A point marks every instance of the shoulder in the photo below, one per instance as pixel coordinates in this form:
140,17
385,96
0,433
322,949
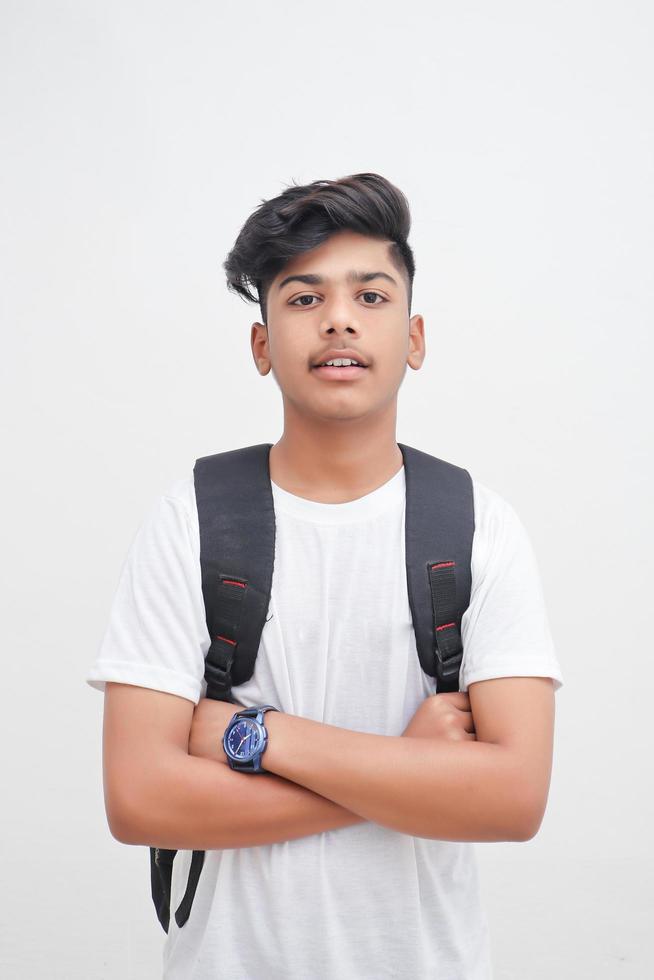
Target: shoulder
499,528
180,496
492,509
171,517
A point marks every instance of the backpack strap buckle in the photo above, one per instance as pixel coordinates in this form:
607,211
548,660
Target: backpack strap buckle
218,668
229,604
448,654
448,647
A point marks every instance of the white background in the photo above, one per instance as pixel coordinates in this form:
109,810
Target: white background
136,139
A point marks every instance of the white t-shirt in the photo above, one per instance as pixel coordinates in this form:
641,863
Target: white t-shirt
338,646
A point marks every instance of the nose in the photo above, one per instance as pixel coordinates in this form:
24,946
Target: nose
339,317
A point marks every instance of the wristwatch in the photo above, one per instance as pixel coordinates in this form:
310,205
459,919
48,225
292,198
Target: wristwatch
246,737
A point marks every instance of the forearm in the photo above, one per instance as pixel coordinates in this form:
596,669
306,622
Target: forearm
194,803
463,791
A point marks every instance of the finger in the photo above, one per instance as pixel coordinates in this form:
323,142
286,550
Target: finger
468,721
458,698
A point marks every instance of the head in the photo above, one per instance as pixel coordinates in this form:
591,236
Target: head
332,268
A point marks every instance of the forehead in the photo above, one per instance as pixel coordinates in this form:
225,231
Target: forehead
341,252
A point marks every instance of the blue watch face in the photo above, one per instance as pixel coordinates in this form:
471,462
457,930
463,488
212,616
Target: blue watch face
244,739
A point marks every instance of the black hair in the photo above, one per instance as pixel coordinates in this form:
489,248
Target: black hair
304,216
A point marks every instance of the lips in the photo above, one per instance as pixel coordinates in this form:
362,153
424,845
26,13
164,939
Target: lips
335,353
336,374
362,367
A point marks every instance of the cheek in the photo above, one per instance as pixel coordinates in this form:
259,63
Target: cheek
289,357
393,364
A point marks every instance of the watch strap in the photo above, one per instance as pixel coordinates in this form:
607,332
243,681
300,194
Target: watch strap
255,711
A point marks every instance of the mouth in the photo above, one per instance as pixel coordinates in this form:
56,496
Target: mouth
332,373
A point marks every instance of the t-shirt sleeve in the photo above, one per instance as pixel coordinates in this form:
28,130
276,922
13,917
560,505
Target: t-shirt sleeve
505,630
157,636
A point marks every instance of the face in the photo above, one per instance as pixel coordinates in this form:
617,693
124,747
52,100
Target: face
320,303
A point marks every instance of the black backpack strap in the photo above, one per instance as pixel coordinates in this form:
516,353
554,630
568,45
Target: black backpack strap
237,550
439,528
184,907
161,870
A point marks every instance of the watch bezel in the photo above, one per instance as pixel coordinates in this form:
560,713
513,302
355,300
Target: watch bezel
262,736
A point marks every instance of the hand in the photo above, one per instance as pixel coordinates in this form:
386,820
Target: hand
447,716
210,719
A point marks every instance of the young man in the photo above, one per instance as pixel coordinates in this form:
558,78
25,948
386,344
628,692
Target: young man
352,858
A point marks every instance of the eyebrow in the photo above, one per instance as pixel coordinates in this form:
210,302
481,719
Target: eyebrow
313,279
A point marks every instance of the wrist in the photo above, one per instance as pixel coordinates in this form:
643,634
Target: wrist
278,724
246,736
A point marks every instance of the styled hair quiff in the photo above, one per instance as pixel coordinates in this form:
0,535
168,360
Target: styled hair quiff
302,217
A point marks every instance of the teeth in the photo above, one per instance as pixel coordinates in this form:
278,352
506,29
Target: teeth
341,362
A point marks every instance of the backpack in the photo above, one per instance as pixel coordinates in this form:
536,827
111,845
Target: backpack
237,547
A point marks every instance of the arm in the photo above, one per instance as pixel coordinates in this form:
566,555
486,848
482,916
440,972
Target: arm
491,789
158,795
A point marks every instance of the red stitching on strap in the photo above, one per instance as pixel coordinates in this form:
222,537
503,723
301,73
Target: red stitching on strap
444,564
229,581
227,640
446,626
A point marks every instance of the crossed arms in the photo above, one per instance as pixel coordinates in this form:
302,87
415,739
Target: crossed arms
167,784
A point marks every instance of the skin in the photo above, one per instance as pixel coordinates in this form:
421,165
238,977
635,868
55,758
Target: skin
446,716
469,766
339,438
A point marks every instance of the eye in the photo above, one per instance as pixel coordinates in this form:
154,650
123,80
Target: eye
371,293
368,292
294,302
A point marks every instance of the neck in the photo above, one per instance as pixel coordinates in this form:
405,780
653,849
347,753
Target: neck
335,460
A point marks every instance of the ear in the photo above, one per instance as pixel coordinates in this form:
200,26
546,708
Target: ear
416,353
260,348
